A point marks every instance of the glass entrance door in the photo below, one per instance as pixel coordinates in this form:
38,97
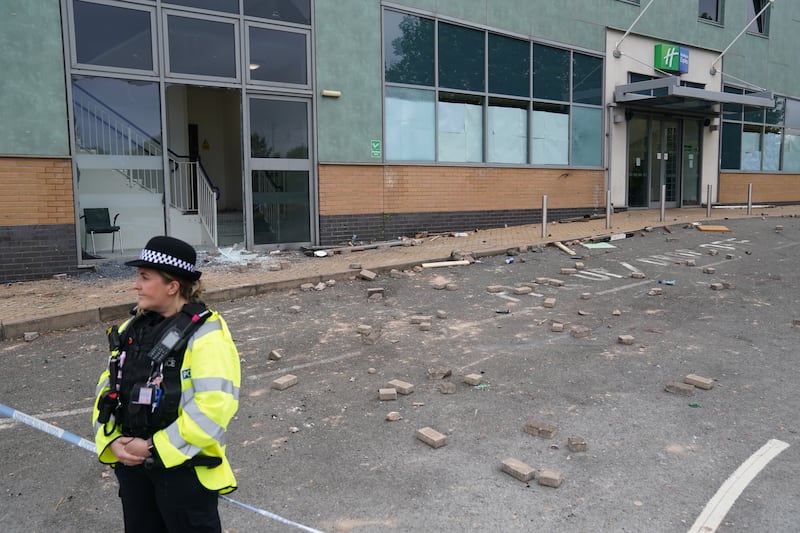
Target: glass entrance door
654,160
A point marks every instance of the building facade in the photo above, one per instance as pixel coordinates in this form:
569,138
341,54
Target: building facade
282,123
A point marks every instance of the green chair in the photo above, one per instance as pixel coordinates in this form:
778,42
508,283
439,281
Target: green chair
98,220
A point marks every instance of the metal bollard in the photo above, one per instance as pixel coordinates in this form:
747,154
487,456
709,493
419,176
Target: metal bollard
708,202
749,198
609,209
663,202
544,216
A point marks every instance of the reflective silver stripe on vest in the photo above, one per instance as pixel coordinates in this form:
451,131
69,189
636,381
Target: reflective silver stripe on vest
214,385
100,386
214,430
174,436
207,327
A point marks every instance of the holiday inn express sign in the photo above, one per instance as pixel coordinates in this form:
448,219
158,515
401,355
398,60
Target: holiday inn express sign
671,58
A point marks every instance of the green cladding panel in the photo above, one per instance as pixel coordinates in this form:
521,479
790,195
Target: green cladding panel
32,91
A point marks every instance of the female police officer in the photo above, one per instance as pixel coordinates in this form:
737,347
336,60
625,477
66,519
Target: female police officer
164,403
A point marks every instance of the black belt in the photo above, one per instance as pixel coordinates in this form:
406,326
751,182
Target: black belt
197,460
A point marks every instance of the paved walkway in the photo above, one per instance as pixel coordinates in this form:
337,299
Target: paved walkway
53,304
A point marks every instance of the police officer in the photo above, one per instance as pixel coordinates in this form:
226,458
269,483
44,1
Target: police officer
164,404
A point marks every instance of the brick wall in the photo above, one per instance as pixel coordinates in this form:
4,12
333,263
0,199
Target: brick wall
383,202
37,220
767,188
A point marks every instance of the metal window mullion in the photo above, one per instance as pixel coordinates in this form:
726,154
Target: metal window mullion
436,91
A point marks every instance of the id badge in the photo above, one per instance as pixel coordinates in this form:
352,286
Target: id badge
144,395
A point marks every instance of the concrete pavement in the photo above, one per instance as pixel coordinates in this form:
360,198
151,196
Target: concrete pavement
55,304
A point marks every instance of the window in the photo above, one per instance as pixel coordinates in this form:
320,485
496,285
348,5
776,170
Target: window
296,11
761,24
201,47
110,36
710,10
408,49
224,6
278,129
277,56
759,139
478,96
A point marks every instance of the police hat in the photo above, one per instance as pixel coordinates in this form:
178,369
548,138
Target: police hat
169,255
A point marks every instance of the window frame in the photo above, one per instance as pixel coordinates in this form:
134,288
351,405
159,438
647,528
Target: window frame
765,16
171,76
247,60
720,18
149,8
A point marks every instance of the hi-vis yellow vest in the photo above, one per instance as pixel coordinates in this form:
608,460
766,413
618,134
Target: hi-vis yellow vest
210,380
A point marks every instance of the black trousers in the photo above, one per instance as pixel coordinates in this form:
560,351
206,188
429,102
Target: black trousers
169,501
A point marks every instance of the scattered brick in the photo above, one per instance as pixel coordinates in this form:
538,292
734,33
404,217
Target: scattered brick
387,394
637,275
375,290
655,291
779,227
549,478
616,312
579,265
557,327
586,296
393,416
708,270
431,437
367,275
556,282
284,382
29,336
396,274
419,319
549,302
275,355
439,372
691,262
424,326
540,429
625,339
580,331
522,290
728,256
682,389
307,287
518,469
699,381
294,309
439,285
448,387
713,252
495,288
402,387
441,314
542,281
473,379
569,271
577,444
716,286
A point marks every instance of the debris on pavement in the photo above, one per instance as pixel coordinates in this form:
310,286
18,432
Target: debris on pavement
518,469
431,437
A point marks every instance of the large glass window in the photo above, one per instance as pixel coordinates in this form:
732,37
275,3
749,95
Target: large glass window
201,47
731,145
278,56
460,128
508,131
710,10
297,11
278,129
112,36
509,66
411,114
550,73
461,58
408,49
587,145
281,206
550,134
496,98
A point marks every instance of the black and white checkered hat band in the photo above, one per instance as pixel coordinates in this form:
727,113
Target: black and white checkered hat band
160,258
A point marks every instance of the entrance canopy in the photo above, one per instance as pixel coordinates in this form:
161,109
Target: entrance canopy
668,95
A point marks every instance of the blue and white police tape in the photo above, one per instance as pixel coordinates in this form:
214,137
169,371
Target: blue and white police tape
72,438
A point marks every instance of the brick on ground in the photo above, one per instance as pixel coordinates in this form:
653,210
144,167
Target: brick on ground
580,332
699,381
419,319
577,444
275,355
387,394
557,327
625,339
284,382
550,478
367,275
473,379
549,303
681,389
403,387
540,429
431,437
518,469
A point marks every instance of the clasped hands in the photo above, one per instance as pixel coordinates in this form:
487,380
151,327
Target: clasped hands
131,451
